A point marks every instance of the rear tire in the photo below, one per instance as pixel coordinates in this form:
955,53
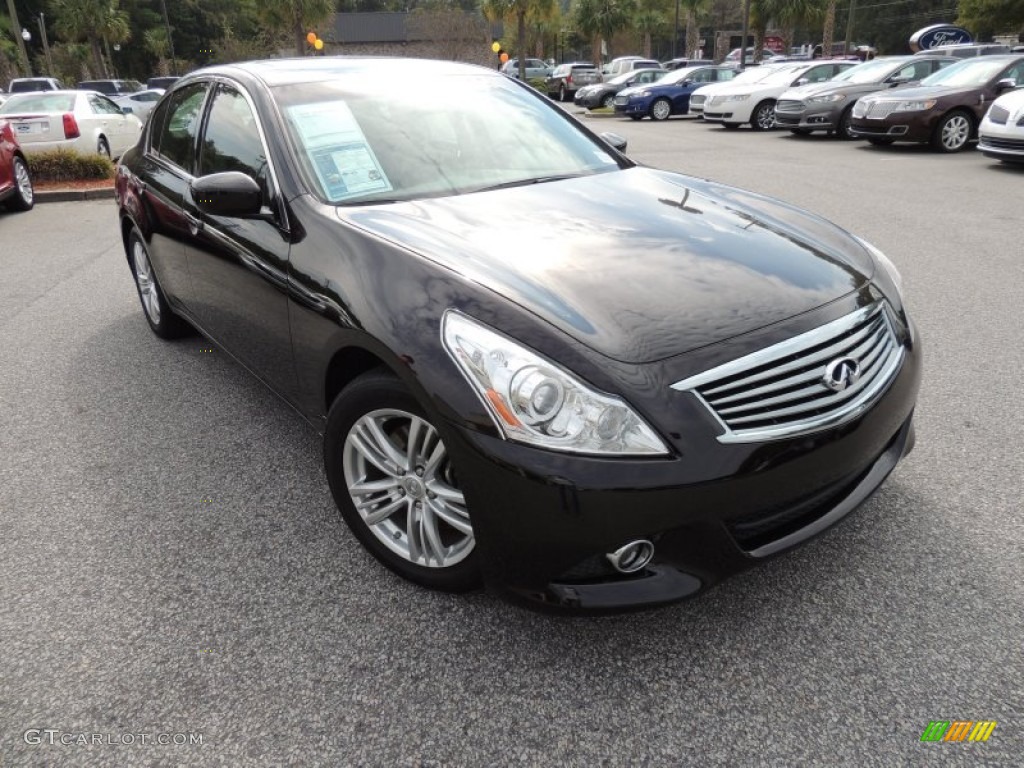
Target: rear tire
161,318
382,453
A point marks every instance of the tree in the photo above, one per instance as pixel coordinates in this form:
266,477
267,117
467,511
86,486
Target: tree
518,11
94,21
600,19
694,10
829,30
650,19
301,16
456,34
987,17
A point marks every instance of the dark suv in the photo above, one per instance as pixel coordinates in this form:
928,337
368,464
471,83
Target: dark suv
827,106
110,87
568,78
32,84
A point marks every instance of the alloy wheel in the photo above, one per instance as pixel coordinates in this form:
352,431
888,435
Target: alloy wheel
401,483
24,182
147,284
764,116
608,101
956,130
661,109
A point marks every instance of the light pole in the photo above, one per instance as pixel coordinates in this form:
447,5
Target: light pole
26,36
46,44
170,38
15,26
675,37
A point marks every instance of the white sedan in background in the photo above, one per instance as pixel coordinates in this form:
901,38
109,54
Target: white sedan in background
84,121
749,75
140,102
754,103
1001,133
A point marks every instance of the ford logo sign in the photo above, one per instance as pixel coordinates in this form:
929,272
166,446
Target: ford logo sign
937,35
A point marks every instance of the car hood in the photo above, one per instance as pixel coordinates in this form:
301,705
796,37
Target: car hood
638,264
827,89
1011,101
933,92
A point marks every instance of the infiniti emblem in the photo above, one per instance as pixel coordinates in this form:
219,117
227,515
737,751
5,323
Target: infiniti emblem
841,373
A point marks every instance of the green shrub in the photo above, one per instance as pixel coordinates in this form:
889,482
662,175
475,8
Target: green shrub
539,83
68,165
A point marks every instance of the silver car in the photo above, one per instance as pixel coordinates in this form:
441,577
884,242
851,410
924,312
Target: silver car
534,68
141,103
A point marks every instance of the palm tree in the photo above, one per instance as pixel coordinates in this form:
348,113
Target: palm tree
518,11
694,10
301,16
829,30
96,22
601,19
648,22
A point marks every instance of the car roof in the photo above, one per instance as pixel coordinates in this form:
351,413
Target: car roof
275,72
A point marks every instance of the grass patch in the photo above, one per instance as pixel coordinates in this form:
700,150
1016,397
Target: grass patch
68,165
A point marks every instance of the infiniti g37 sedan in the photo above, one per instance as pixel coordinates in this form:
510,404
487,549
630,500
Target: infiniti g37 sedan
653,383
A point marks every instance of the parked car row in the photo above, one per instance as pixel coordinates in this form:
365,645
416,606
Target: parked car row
109,87
944,100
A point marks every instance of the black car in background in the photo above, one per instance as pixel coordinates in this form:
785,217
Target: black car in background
603,94
658,382
827,106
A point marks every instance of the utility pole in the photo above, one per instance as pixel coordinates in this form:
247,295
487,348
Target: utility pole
170,37
16,31
849,28
46,44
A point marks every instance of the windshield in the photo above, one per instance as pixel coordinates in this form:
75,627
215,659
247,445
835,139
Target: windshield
782,76
754,75
869,71
38,102
620,79
676,76
373,142
968,72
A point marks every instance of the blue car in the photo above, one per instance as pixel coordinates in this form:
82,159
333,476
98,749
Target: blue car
671,94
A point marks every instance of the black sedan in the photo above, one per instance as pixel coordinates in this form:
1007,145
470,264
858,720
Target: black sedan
603,94
658,382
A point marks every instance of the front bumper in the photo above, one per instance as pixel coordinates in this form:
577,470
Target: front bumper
898,127
1001,142
544,521
633,107
809,119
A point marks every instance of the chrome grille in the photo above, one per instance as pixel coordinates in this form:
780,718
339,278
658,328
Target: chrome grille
999,115
879,109
697,100
620,100
780,391
789,105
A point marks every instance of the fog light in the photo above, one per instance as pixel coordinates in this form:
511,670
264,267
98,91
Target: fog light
633,557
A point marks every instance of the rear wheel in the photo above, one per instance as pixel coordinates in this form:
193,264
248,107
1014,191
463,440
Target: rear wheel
394,484
763,118
24,196
879,142
661,109
952,132
161,319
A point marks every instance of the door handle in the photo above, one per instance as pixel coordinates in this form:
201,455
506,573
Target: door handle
194,224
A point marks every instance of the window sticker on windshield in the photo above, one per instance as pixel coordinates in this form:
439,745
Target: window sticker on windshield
342,157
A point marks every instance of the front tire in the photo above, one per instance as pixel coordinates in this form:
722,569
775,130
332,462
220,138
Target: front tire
608,101
394,484
952,132
763,118
661,109
162,320
24,196
843,126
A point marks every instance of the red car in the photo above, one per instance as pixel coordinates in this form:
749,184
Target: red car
15,180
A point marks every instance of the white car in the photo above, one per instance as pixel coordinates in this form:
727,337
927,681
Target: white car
84,121
754,103
140,102
1001,133
750,75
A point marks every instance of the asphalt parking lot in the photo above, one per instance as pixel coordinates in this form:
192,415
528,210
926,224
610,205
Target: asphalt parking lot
171,561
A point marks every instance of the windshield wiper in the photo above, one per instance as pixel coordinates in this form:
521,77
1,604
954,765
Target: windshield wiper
526,182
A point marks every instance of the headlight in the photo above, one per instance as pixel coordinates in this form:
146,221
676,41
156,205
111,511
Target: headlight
736,97
534,401
643,94
885,263
826,99
914,106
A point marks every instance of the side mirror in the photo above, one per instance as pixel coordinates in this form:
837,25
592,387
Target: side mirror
616,141
228,194
126,110
803,81
1006,84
